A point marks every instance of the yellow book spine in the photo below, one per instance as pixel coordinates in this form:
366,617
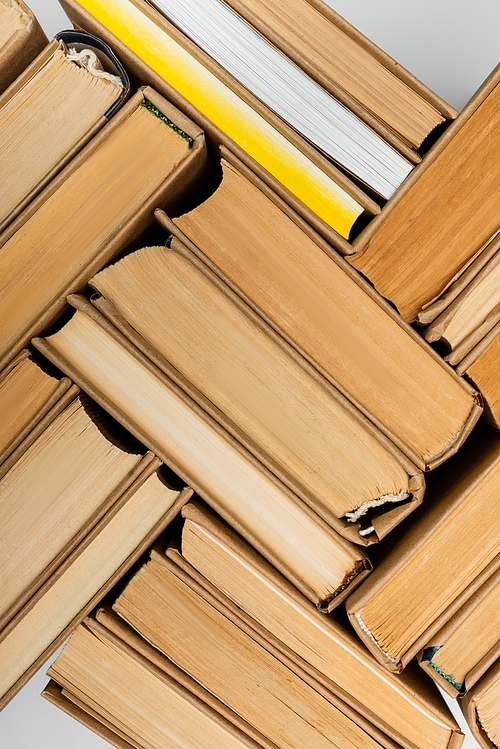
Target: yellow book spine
228,112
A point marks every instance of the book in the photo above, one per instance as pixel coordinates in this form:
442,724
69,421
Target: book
30,398
21,40
480,708
449,552
139,513
182,713
448,213
467,326
404,707
458,655
471,314
329,314
104,197
225,109
258,388
198,633
319,561
478,266
55,492
288,91
352,68
51,111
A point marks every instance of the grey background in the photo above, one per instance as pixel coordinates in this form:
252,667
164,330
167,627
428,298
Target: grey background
452,46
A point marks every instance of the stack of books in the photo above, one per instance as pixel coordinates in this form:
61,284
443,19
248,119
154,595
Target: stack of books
182,312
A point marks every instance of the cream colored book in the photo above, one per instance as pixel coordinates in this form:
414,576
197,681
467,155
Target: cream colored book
305,548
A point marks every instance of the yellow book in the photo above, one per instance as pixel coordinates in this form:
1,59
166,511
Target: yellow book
227,111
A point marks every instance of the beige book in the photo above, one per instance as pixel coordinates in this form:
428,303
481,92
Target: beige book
444,218
28,395
318,40
55,492
448,554
49,113
322,563
468,327
458,655
403,706
161,605
78,217
109,549
277,405
128,693
312,297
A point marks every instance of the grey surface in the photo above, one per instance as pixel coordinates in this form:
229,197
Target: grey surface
450,46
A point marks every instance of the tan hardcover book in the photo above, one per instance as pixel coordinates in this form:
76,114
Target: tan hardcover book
480,708
90,209
21,40
458,655
56,491
441,220
298,190
404,707
30,398
449,552
202,336
155,704
138,514
51,111
320,562
198,633
314,299
467,327
351,68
